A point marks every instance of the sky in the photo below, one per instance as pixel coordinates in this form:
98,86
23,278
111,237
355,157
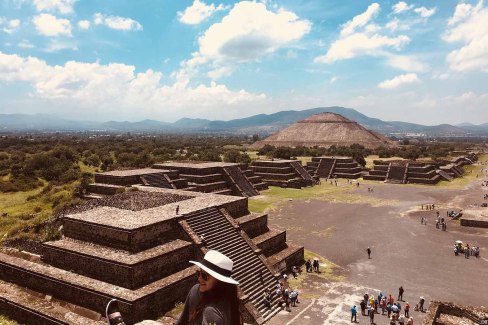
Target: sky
414,61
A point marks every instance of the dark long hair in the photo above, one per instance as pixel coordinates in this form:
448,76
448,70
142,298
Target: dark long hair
221,292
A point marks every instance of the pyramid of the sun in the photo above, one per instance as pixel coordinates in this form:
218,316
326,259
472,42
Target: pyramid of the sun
325,130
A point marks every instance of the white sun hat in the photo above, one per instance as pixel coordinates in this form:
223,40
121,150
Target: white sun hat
217,265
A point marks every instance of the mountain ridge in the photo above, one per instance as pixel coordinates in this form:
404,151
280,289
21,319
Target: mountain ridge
260,123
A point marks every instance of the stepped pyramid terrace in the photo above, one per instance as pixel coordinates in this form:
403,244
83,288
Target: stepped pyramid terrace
420,172
282,172
325,130
207,177
135,248
330,167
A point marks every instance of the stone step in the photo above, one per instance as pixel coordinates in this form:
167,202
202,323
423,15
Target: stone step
132,270
94,294
30,307
106,189
292,255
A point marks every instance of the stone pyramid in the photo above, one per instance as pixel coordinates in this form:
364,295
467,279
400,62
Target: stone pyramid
325,130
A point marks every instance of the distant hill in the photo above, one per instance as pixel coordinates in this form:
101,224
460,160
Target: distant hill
261,124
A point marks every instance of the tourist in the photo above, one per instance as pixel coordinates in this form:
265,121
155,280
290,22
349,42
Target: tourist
466,251
400,293
177,209
308,266
390,299
267,300
295,271
407,309
215,298
371,317
202,240
353,314
294,297
421,304
369,252
286,300
388,309
401,320
383,305
363,307
410,321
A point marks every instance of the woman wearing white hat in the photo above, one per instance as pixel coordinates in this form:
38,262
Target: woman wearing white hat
214,300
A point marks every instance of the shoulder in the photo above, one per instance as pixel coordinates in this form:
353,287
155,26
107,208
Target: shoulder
215,315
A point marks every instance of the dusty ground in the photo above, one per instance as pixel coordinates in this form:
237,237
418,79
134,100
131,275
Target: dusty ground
404,252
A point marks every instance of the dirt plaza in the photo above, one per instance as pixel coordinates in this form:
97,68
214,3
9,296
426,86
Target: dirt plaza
404,252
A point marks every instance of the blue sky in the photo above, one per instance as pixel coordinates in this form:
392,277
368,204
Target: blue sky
415,61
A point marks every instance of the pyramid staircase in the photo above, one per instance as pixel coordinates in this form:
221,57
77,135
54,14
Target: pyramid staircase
253,274
325,168
445,175
396,173
301,171
240,181
157,180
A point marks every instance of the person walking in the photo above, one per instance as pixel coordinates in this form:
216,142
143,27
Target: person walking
371,317
400,293
214,299
421,304
369,252
354,314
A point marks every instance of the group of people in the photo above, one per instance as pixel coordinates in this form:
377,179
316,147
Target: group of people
428,206
370,305
440,222
467,251
312,266
287,296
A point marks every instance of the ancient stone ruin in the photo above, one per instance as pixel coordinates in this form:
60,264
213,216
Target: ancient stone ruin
135,247
325,130
334,167
283,173
446,313
207,177
419,172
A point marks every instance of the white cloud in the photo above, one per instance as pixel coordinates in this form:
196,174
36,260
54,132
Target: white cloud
96,89
25,44
198,12
10,26
406,63
424,12
63,6
360,44
115,22
399,80
333,79
361,37
250,31
49,25
360,20
469,25
401,7
57,45
219,73
84,24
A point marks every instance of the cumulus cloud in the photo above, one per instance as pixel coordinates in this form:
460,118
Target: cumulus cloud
360,36
198,12
401,7
251,31
9,26
84,24
333,79
49,25
360,20
406,63
63,6
398,81
117,88
116,22
424,12
469,26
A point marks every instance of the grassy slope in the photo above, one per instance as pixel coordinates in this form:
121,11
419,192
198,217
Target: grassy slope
22,212
5,321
